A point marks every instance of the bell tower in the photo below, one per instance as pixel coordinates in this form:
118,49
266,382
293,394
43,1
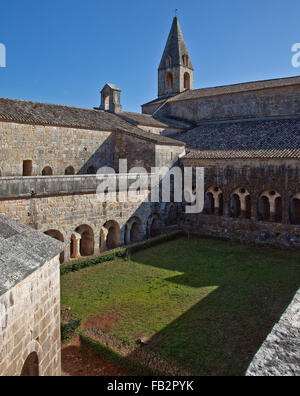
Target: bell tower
175,73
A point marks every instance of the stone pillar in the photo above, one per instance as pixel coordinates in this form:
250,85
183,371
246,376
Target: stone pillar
76,238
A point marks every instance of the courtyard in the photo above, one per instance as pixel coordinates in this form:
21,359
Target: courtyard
204,306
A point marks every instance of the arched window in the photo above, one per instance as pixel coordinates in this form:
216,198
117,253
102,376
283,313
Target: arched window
86,241
270,206
240,203
214,201
295,210
185,60
113,238
70,171
47,171
187,81
169,80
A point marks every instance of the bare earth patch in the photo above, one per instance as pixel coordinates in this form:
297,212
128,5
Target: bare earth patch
103,322
79,362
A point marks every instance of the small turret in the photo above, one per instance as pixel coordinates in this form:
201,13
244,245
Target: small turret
111,99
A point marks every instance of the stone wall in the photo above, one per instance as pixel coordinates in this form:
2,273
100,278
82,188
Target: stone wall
276,102
67,213
56,147
253,177
30,322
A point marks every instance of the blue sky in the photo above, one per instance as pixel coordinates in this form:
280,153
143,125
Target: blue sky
64,51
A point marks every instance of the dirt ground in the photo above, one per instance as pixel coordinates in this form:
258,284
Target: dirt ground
79,362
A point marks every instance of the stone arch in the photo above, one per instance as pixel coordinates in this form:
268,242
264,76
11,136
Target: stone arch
187,81
214,201
86,246
295,209
134,230
185,60
58,236
113,237
154,226
169,80
240,203
69,171
31,366
270,206
47,171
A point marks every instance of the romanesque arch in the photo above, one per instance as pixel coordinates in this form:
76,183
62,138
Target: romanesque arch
86,246
154,226
169,80
270,206
240,203
214,201
69,171
187,81
134,230
113,238
295,209
47,171
59,236
31,366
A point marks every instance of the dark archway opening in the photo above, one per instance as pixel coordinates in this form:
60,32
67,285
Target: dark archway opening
31,366
295,211
235,206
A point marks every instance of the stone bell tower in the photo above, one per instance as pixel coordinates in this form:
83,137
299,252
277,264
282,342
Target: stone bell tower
175,73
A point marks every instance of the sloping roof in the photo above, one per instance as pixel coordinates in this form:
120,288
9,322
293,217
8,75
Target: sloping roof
278,138
34,113
22,251
149,120
112,86
175,47
236,88
142,119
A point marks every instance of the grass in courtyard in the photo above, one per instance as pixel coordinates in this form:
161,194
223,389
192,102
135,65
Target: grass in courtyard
206,304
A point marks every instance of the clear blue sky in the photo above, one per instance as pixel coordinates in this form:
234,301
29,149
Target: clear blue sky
64,51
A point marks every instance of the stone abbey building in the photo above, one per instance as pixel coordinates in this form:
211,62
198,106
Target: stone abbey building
246,136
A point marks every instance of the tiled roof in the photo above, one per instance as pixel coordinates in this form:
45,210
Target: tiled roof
149,120
142,119
22,251
229,89
278,138
65,116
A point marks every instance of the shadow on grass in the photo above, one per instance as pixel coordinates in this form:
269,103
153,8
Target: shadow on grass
221,334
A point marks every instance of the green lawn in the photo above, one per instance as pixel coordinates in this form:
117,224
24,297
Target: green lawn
206,304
